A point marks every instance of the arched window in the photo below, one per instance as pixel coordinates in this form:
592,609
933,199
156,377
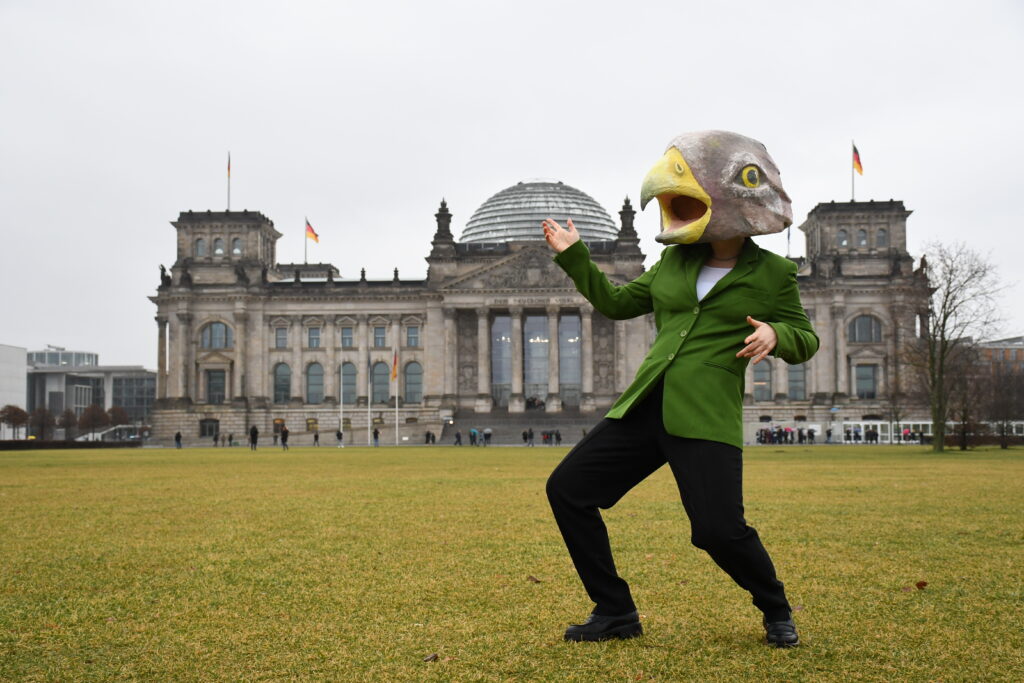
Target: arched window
882,238
862,238
380,376
348,384
865,328
236,247
413,381
200,248
217,336
842,240
763,381
282,383
315,383
218,247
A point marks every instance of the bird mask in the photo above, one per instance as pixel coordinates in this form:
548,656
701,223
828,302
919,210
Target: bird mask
714,185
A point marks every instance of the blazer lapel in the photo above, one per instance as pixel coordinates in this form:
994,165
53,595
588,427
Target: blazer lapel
745,264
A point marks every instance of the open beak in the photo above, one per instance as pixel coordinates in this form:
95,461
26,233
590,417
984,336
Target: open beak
685,206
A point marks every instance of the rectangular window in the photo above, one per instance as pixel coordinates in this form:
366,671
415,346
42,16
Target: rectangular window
280,337
867,381
412,335
380,337
798,382
763,381
314,337
346,338
209,427
215,384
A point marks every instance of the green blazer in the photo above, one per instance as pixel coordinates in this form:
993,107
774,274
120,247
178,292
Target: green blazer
697,341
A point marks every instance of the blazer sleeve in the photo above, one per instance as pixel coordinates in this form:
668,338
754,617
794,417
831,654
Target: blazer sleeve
618,303
797,339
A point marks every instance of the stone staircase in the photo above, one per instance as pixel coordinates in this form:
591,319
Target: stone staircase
507,428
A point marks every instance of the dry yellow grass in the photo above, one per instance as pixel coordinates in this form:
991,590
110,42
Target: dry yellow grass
356,564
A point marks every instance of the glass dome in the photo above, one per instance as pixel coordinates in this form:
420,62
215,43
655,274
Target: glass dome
516,213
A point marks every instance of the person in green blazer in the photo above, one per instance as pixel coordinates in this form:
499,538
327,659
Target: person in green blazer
719,302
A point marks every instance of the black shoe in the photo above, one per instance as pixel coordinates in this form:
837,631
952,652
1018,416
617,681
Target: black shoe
598,627
781,633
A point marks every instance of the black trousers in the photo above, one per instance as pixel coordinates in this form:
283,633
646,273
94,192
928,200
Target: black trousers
617,455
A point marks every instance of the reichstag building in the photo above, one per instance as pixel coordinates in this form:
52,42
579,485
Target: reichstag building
496,334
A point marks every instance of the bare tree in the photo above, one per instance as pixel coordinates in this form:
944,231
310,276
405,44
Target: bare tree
68,421
1004,400
967,392
92,417
14,416
118,416
42,421
962,308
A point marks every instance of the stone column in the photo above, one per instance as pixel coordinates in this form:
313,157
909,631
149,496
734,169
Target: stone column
587,403
365,338
332,383
553,402
516,400
238,375
451,352
621,380
841,365
483,360
187,354
161,357
780,376
297,370
175,357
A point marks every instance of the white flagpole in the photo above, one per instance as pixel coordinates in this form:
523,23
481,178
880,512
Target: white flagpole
394,372
369,398
341,402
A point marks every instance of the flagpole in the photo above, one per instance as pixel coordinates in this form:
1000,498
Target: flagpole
229,181
394,372
369,398
305,243
341,402
853,195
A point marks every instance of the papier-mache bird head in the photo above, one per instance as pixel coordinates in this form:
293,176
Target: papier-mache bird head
714,185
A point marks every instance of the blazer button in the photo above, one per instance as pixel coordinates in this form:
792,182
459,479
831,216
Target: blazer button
696,310
682,333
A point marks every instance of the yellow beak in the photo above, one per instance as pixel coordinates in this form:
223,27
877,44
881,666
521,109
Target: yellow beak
685,205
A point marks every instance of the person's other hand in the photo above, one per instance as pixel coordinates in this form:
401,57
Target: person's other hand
560,238
760,343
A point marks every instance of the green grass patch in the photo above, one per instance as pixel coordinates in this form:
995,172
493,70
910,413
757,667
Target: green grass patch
356,564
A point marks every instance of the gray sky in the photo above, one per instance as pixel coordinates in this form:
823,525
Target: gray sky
116,116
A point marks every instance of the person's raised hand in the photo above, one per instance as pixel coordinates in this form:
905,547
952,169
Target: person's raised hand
560,238
760,343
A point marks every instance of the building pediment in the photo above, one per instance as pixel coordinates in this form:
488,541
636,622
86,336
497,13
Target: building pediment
528,268
214,357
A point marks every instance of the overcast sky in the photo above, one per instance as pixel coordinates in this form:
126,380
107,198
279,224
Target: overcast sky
116,116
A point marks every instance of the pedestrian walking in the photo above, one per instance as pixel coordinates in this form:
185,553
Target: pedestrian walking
254,435
284,437
177,439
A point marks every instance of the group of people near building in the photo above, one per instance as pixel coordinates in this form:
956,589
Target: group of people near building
786,435
477,437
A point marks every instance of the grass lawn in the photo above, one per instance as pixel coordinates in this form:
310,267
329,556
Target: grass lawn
357,564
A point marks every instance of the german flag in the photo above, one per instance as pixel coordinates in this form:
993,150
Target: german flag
394,366
856,161
311,233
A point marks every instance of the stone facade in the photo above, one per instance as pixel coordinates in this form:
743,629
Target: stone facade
244,340
866,301
229,319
